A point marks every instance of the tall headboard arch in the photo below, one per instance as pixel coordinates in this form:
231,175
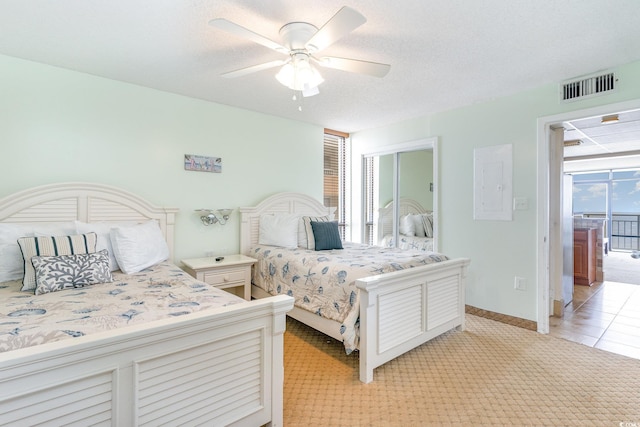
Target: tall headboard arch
290,203
86,202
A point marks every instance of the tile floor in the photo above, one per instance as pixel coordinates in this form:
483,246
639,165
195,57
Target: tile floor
605,315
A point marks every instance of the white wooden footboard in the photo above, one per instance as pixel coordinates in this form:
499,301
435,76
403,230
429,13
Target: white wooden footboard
401,310
218,367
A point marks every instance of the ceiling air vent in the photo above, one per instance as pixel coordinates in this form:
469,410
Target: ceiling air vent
589,86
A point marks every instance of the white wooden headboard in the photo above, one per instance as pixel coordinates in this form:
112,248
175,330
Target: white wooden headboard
385,215
292,203
86,202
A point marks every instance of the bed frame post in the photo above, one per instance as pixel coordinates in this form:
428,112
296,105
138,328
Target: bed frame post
367,317
278,327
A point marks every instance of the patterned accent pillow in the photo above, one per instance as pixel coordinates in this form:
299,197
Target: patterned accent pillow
52,246
57,273
305,232
427,223
326,235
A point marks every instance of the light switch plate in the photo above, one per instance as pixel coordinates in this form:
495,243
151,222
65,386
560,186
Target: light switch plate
520,203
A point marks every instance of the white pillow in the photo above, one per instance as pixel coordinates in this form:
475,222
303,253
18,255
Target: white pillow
407,226
139,246
279,230
102,229
11,261
417,223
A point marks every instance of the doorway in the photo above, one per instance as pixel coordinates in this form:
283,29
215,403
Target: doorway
615,303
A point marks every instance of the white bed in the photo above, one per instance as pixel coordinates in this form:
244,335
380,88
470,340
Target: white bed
385,226
426,300
127,376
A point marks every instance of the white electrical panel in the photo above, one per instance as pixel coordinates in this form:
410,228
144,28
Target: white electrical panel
493,183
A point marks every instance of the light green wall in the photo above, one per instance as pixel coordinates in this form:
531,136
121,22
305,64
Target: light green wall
416,172
58,125
499,250
385,179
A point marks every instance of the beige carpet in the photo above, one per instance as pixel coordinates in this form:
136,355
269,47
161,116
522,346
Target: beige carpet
490,374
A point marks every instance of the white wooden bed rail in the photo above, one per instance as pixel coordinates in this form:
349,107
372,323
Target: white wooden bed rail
431,302
430,299
214,367
218,367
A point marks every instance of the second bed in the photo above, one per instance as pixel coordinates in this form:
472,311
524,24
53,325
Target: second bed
383,311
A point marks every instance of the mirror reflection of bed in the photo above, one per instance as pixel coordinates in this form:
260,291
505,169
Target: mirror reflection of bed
415,226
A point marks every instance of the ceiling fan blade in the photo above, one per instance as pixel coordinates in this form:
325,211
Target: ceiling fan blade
240,31
248,70
341,24
374,69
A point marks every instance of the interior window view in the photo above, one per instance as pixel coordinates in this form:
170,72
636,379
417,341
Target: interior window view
603,175
245,213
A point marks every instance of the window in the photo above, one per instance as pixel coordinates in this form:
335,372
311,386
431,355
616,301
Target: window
335,175
370,204
614,195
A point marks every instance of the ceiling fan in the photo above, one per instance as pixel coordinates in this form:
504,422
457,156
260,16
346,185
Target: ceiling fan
301,42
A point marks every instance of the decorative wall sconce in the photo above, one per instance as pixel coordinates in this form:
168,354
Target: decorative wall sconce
212,216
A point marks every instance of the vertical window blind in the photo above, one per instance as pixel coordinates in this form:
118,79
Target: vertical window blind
335,164
369,208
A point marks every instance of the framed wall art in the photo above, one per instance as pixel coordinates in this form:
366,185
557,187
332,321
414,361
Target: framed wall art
194,162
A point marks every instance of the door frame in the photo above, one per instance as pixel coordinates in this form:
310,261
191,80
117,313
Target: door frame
544,252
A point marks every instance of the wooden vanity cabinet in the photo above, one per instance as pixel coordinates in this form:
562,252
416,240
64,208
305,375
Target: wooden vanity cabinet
584,256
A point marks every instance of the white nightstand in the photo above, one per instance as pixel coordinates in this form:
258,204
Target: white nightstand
233,273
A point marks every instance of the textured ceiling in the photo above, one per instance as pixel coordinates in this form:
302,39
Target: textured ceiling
443,54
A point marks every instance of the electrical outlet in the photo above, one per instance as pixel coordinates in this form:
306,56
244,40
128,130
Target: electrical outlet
520,284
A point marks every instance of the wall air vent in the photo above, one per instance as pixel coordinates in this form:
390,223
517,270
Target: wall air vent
589,86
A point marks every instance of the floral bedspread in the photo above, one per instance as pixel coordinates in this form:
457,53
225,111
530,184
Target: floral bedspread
323,282
162,291
409,242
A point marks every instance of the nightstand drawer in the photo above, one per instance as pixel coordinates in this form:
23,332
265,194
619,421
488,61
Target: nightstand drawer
231,273
226,277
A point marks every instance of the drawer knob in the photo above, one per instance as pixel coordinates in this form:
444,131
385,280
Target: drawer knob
226,278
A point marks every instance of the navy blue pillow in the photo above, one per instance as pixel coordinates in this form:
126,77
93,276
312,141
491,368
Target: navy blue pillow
326,235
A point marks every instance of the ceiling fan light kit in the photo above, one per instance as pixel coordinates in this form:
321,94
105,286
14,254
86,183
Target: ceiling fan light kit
300,41
298,74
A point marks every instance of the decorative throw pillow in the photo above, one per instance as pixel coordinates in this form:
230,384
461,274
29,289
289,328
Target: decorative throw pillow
279,230
305,232
326,235
56,273
139,246
11,261
427,223
52,246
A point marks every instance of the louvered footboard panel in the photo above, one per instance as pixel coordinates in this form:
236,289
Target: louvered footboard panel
400,316
443,300
216,383
82,402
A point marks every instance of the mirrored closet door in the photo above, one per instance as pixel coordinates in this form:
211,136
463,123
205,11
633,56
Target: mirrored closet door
400,196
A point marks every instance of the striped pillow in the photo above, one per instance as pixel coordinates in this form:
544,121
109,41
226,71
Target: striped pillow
305,231
52,246
427,223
